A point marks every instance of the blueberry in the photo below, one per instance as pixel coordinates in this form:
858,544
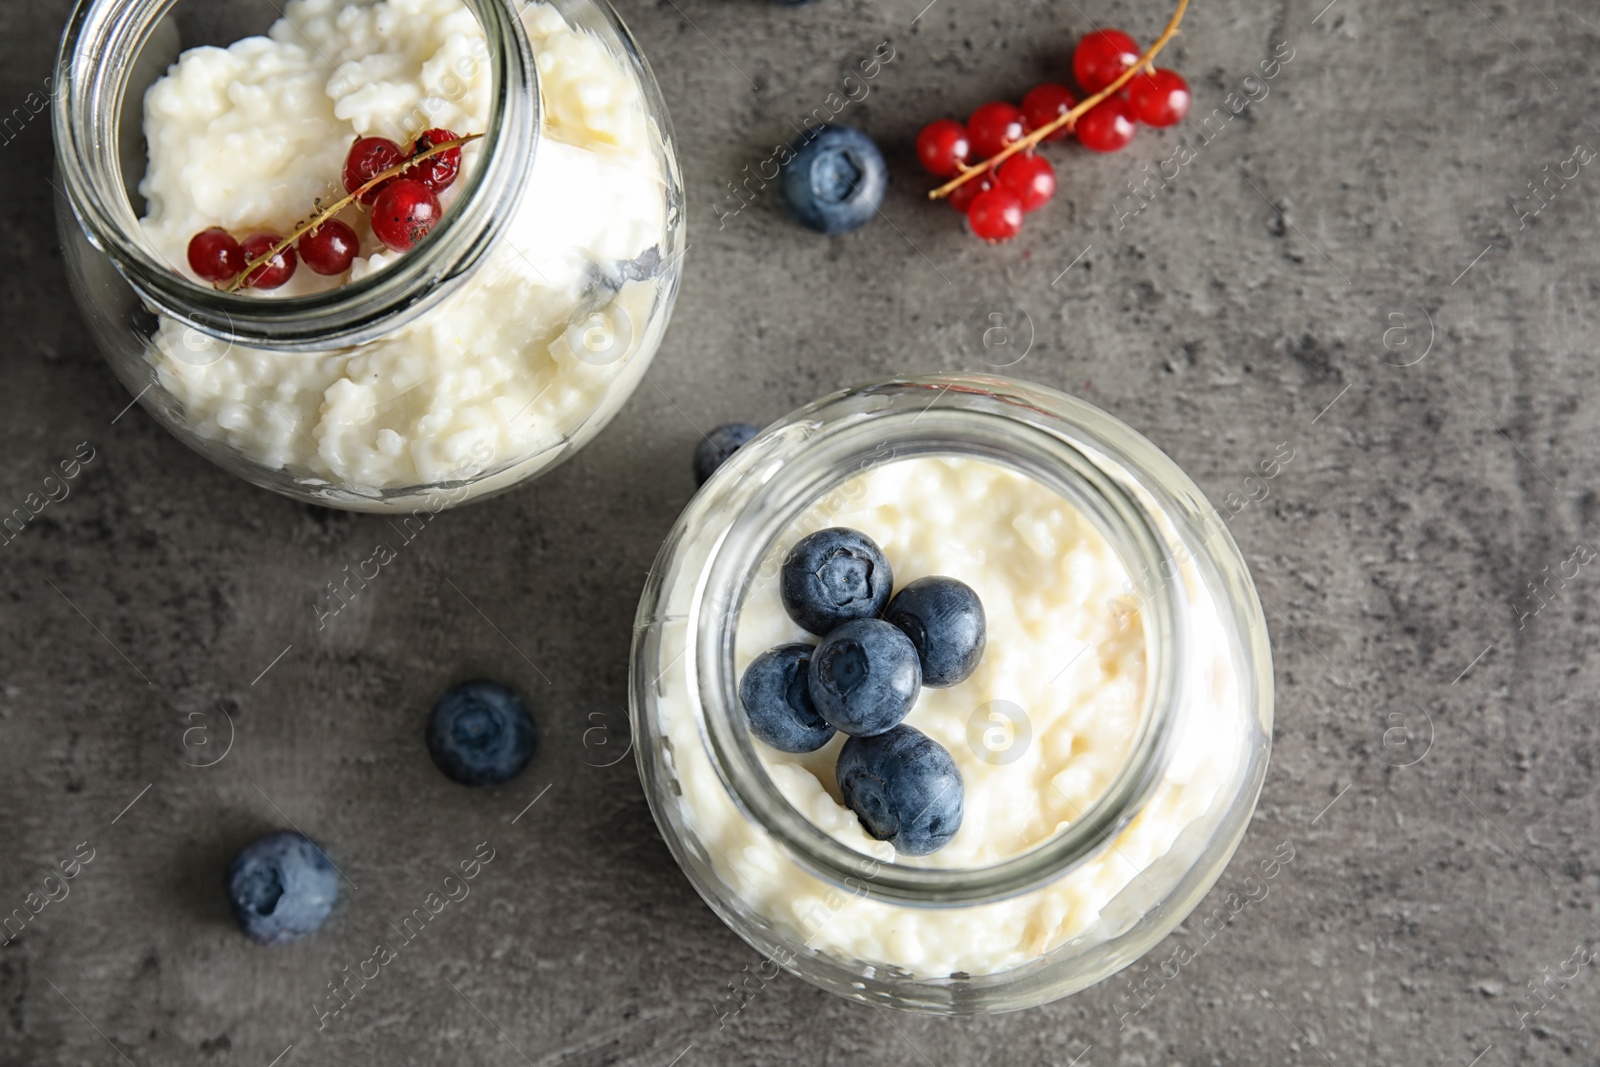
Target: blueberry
480,734
281,887
833,576
944,619
777,700
904,787
836,179
715,447
865,677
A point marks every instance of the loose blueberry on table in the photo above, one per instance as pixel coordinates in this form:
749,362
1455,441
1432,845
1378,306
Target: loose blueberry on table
833,576
865,677
281,887
776,695
835,179
715,448
479,733
904,787
993,173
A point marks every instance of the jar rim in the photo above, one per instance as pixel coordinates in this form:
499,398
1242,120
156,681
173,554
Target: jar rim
990,417
102,40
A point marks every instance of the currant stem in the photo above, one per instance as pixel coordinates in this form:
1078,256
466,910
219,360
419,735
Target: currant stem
318,218
1144,63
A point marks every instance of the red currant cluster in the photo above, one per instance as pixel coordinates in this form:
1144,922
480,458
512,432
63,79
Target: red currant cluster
405,206
995,200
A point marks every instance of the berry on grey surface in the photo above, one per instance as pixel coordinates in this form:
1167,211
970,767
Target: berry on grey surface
944,619
904,787
281,887
775,692
479,733
715,448
834,576
835,181
865,677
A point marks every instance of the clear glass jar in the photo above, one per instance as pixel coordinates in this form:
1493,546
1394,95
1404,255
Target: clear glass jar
1095,895
494,348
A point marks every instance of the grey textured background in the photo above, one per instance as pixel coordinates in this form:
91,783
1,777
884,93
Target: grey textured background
1367,206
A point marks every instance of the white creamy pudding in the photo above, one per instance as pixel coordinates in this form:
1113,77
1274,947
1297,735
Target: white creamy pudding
1039,731
510,365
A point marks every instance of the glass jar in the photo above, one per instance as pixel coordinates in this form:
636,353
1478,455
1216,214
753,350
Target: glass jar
1097,894
497,346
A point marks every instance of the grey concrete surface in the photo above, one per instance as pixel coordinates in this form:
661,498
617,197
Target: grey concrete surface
1351,265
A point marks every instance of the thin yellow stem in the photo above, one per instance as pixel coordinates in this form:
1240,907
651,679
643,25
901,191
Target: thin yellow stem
327,213
1144,63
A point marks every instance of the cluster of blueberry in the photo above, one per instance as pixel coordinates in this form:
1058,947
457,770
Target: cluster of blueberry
405,206
863,679
283,886
995,200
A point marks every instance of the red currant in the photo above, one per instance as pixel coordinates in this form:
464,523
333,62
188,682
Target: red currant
1160,98
961,196
1101,57
1031,178
1046,103
437,172
1108,126
994,126
215,255
996,215
369,157
330,248
943,146
275,271
404,213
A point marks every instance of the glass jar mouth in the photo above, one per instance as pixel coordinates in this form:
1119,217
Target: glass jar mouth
910,417
99,52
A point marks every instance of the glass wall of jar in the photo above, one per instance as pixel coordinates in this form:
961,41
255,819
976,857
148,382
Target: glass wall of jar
764,837
494,347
